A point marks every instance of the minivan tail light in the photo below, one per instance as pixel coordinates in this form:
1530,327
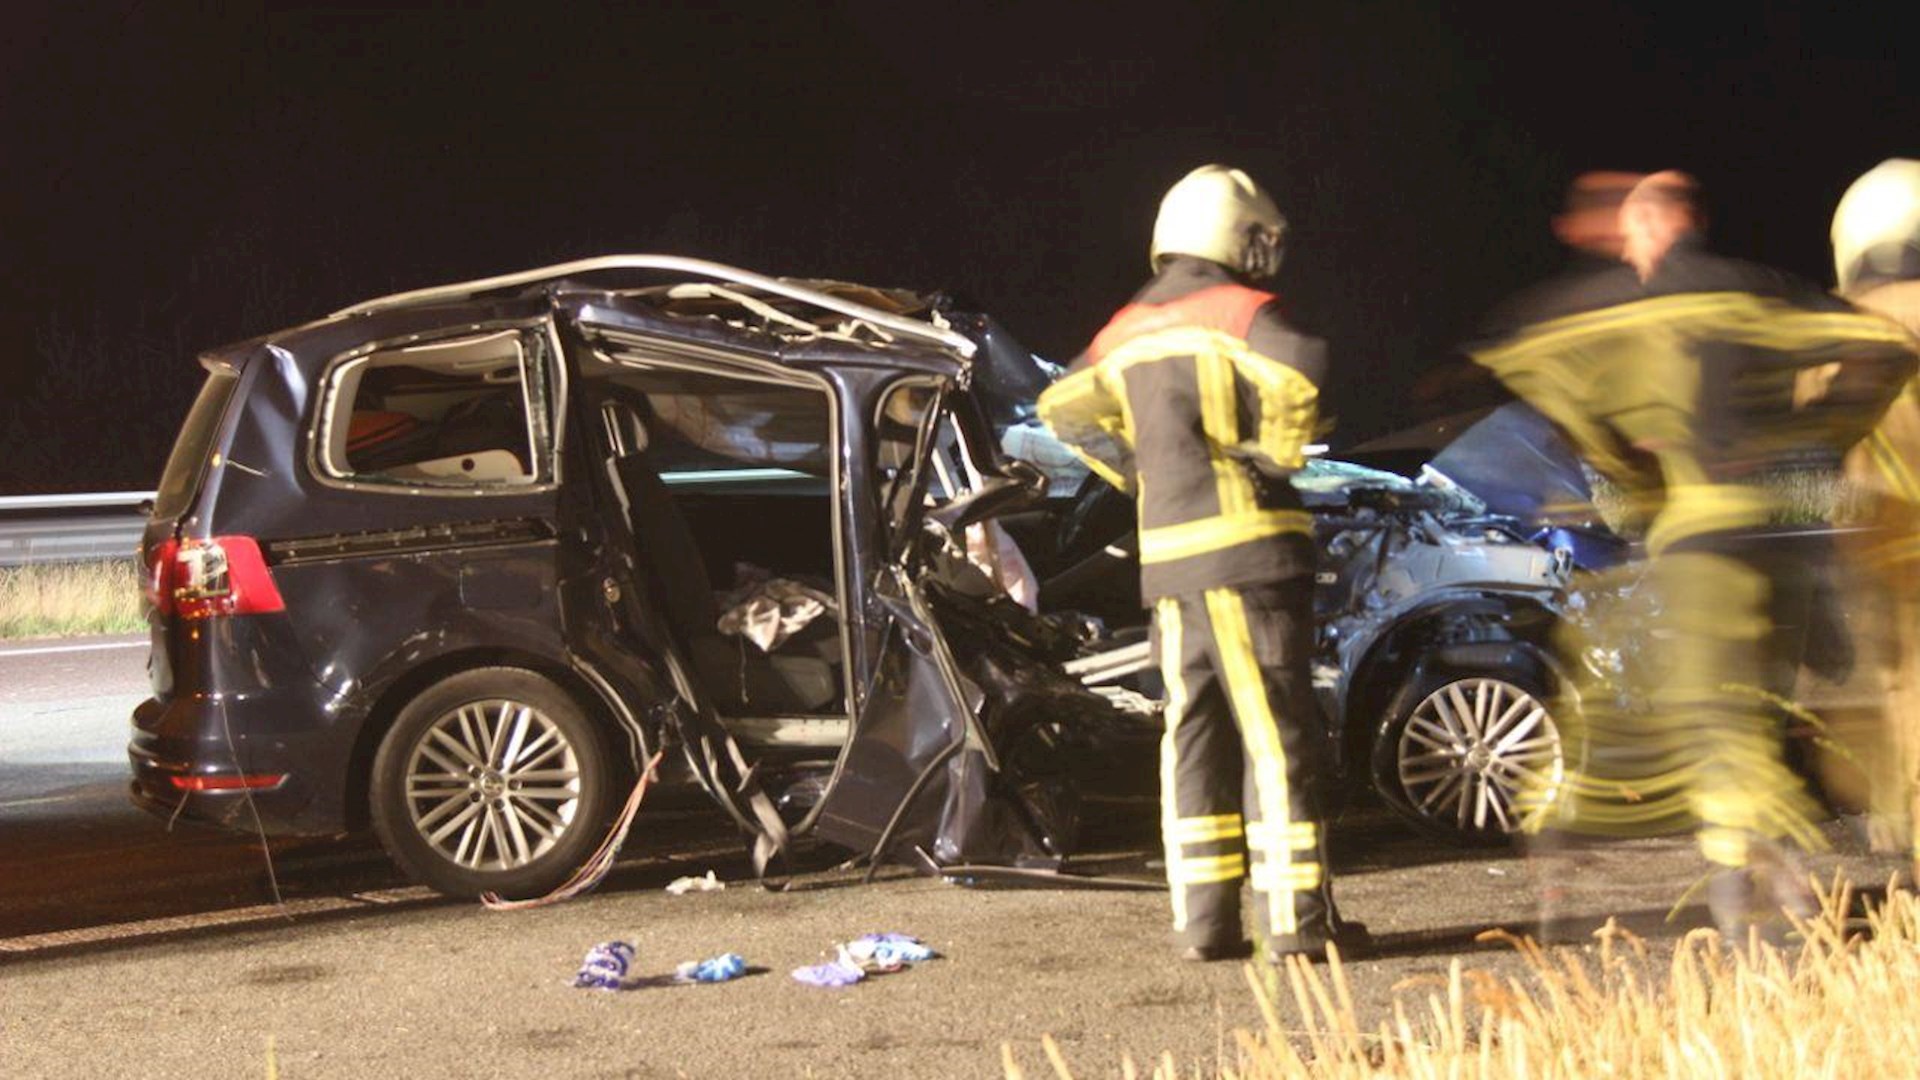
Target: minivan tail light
226,575
159,583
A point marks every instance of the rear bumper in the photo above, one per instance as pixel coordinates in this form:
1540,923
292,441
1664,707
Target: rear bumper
189,737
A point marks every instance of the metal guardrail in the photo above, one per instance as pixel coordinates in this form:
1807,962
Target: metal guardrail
100,525
114,500
86,527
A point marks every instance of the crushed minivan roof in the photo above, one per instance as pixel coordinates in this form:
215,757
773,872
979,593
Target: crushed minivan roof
766,297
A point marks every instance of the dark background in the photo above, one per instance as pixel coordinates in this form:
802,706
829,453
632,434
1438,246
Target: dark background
177,179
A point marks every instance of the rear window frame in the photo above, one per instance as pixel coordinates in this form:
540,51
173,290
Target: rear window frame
176,504
545,412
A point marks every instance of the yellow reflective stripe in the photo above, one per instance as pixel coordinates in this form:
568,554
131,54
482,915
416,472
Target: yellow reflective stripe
1247,691
1297,836
1097,467
1731,315
1167,543
1891,466
1080,409
1206,870
1076,397
1289,407
1288,399
1220,419
1168,613
1559,333
1114,379
1895,552
1200,830
1785,327
1700,509
1726,847
1276,880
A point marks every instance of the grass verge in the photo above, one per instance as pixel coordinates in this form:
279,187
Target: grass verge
1836,1005
66,599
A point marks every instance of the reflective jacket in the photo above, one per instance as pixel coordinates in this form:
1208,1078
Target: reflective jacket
1685,389
1199,400
1887,462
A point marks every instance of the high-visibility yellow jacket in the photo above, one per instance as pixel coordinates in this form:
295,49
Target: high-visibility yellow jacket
1684,390
1887,462
1199,400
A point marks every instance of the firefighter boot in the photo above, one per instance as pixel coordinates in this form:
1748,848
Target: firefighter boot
1761,900
1319,924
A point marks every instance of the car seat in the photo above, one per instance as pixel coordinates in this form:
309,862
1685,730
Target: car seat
735,673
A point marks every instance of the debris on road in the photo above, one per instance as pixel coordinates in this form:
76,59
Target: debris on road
888,952
870,954
606,966
681,886
715,969
841,971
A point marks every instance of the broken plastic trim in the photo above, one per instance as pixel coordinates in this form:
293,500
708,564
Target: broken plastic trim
989,874
957,344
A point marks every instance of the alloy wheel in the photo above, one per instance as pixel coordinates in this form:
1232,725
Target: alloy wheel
493,785
1473,749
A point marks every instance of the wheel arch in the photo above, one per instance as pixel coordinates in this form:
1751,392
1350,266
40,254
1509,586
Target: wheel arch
1477,629
394,697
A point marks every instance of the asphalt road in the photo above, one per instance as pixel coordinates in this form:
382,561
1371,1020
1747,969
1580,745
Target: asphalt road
76,854
126,950
73,851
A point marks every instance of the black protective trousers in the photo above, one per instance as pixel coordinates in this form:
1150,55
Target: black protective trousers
1240,762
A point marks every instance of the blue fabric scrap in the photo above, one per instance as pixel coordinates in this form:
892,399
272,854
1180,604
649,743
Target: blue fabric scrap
606,966
715,969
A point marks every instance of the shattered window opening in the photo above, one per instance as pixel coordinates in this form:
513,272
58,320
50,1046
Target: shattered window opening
468,412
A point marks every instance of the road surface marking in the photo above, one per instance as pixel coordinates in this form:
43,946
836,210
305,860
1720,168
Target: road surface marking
50,649
149,928
11,803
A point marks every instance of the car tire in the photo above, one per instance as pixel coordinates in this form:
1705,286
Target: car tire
493,780
1459,744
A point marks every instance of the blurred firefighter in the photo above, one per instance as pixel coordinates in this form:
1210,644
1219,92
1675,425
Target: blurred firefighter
1876,252
1588,224
1682,383
1198,399
1588,227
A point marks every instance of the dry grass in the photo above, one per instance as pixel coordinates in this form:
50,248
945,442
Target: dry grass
62,599
1837,1005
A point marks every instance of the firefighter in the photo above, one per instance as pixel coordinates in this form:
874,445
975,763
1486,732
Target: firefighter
1682,385
1198,399
1876,250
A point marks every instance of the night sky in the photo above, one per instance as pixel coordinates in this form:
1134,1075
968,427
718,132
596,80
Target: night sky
174,180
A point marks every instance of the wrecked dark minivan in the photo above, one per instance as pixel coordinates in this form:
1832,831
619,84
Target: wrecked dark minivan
455,563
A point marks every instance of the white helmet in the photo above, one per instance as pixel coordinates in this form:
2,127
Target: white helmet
1876,227
1220,214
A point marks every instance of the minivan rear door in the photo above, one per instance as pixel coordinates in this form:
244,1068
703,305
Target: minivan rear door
201,438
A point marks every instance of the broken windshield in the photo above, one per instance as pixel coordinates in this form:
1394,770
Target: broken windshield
1516,462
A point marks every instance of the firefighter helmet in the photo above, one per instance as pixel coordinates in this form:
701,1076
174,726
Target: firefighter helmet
1220,214
1876,227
